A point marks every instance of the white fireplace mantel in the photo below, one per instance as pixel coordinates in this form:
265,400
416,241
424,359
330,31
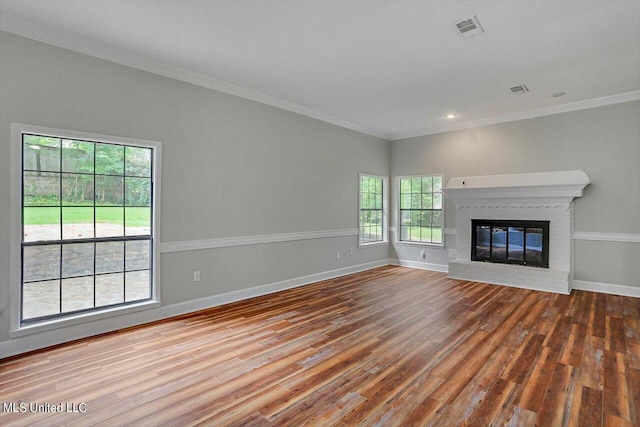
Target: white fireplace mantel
543,196
562,186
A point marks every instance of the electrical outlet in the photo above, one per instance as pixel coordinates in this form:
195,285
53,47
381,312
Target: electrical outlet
338,255
351,251
196,276
452,253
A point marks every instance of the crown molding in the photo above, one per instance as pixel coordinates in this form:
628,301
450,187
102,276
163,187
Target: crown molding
546,111
76,44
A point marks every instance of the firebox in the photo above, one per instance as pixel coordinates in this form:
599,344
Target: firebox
510,242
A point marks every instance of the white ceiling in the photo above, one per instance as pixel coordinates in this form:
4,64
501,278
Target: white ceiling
389,68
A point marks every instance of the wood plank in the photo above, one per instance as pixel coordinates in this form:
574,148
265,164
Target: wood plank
556,405
590,408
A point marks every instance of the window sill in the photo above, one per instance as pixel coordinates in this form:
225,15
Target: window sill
48,325
372,244
430,245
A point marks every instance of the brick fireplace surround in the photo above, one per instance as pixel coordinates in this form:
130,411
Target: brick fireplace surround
544,196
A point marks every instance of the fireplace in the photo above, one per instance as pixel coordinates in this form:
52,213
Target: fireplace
505,224
510,242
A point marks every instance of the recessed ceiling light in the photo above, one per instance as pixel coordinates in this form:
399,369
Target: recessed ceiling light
450,116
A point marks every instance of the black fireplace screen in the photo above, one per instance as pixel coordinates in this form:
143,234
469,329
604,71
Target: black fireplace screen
510,242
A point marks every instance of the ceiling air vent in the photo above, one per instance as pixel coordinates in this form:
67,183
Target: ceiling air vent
468,27
519,89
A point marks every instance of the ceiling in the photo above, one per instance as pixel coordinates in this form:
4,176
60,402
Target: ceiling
389,68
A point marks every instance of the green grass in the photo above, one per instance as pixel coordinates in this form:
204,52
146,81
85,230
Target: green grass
428,234
136,216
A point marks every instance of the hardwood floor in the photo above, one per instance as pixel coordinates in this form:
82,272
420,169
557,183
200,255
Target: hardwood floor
390,346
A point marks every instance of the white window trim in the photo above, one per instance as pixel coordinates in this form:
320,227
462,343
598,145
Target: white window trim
385,210
399,215
15,267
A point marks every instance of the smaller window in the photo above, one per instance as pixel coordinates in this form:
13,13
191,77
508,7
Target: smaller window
421,209
373,200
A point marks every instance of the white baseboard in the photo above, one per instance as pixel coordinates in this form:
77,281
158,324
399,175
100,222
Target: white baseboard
49,338
607,288
419,265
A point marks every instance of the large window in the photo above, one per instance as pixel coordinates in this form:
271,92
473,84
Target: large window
87,225
421,209
372,221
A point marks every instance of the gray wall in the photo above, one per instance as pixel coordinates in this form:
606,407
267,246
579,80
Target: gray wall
231,167
604,142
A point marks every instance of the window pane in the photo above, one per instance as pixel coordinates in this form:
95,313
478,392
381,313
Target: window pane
405,201
425,234
137,191
77,156
77,189
109,257
416,185
378,201
368,201
109,159
77,259
427,184
437,200
77,223
415,218
405,186
137,161
41,141
405,218
138,285
41,189
41,224
427,201
138,255
415,233
109,190
109,222
416,201
40,299
404,232
436,234
437,184
41,153
437,218
138,221
40,262
77,293
425,219
378,186
364,184
109,289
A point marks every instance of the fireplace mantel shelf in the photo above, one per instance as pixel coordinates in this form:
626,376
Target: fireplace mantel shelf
563,185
